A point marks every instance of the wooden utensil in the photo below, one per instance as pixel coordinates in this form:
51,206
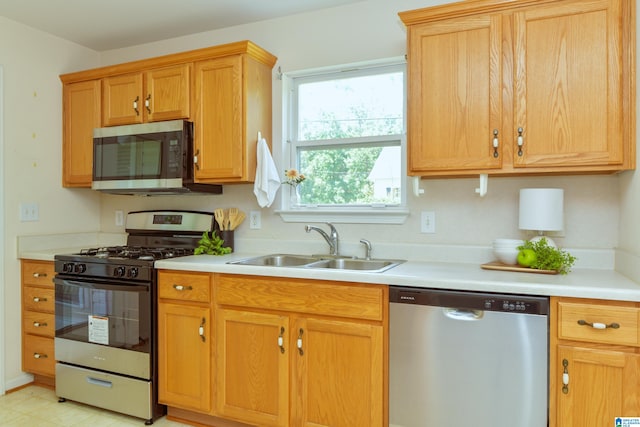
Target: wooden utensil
237,220
218,214
233,213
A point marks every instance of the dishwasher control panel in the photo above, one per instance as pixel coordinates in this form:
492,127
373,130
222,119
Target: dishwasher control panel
521,304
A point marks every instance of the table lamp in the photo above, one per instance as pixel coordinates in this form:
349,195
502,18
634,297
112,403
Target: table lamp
541,209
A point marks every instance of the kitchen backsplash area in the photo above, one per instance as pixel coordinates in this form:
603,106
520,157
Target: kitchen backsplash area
466,223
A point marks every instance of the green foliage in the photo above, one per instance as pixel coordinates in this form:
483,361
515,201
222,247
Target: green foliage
338,176
548,257
211,245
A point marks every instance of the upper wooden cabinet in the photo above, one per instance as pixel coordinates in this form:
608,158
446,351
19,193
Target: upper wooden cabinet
81,113
155,95
232,104
513,87
228,98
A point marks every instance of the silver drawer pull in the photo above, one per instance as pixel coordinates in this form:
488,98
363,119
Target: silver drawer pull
37,275
183,288
39,299
597,325
38,324
99,382
39,356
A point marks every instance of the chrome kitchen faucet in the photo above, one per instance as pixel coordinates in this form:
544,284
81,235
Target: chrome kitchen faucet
332,240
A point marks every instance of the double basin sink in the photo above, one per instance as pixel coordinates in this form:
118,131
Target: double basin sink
321,261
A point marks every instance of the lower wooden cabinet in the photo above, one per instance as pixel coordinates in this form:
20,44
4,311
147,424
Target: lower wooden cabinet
38,320
594,363
253,363
300,353
184,341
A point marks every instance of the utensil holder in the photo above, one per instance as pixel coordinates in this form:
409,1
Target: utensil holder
227,236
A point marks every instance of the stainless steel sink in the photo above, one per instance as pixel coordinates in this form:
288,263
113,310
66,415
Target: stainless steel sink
320,261
370,265
277,260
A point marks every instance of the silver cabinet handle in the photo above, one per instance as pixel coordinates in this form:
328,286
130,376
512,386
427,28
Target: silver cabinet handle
39,325
565,376
195,159
299,342
597,325
39,356
495,143
147,103
520,141
182,287
135,105
37,275
281,339
201,329
39,299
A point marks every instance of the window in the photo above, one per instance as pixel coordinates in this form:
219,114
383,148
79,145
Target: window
346,138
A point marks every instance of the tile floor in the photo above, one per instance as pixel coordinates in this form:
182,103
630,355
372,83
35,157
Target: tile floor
35,406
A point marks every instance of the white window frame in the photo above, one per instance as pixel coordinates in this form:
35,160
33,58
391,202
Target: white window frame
375,214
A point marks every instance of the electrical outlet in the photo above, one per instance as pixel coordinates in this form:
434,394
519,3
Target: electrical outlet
428,222
255,220
29,212
119,218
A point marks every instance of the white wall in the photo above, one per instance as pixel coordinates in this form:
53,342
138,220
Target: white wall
366,31
32,166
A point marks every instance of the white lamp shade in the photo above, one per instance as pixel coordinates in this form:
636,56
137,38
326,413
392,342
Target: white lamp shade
541,209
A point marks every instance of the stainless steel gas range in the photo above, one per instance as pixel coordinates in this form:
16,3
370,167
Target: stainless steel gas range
105,313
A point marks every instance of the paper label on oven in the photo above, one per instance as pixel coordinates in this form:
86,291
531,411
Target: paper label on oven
99,329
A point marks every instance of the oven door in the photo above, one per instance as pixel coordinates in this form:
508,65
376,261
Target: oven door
104,325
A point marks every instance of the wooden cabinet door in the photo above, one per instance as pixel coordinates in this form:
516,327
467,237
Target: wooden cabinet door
167,94
81,113
184,356
339,374
603,384
454,95
122,100
253,351
568,84
219,140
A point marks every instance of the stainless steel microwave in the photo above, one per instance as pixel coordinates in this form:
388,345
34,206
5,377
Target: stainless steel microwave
149,159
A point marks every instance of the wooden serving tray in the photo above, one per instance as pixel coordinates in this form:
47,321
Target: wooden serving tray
497,265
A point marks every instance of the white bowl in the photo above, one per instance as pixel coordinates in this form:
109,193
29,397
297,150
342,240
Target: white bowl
507,243
507,256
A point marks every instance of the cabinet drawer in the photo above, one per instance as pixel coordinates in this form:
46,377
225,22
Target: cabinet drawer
38,356
573,319
38,299
184,286
34,322
341,299
39,273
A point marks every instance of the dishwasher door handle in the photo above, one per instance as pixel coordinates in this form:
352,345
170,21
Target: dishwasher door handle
465,314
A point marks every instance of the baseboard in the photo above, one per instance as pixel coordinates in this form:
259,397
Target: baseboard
18,382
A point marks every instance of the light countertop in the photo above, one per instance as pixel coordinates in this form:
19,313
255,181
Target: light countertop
600,283
581,283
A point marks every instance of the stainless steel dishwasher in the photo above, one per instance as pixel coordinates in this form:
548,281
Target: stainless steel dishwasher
467,359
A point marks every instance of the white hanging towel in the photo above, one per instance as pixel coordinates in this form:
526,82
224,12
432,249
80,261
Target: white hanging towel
267,180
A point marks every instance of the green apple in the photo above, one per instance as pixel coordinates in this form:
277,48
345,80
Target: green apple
526,257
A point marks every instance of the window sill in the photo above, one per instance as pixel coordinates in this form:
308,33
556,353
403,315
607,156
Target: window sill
346,216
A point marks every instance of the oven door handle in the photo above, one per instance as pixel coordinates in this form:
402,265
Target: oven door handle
102,285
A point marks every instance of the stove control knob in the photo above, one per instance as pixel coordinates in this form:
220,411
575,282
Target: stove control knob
67,267
133,272
119,271
80,268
